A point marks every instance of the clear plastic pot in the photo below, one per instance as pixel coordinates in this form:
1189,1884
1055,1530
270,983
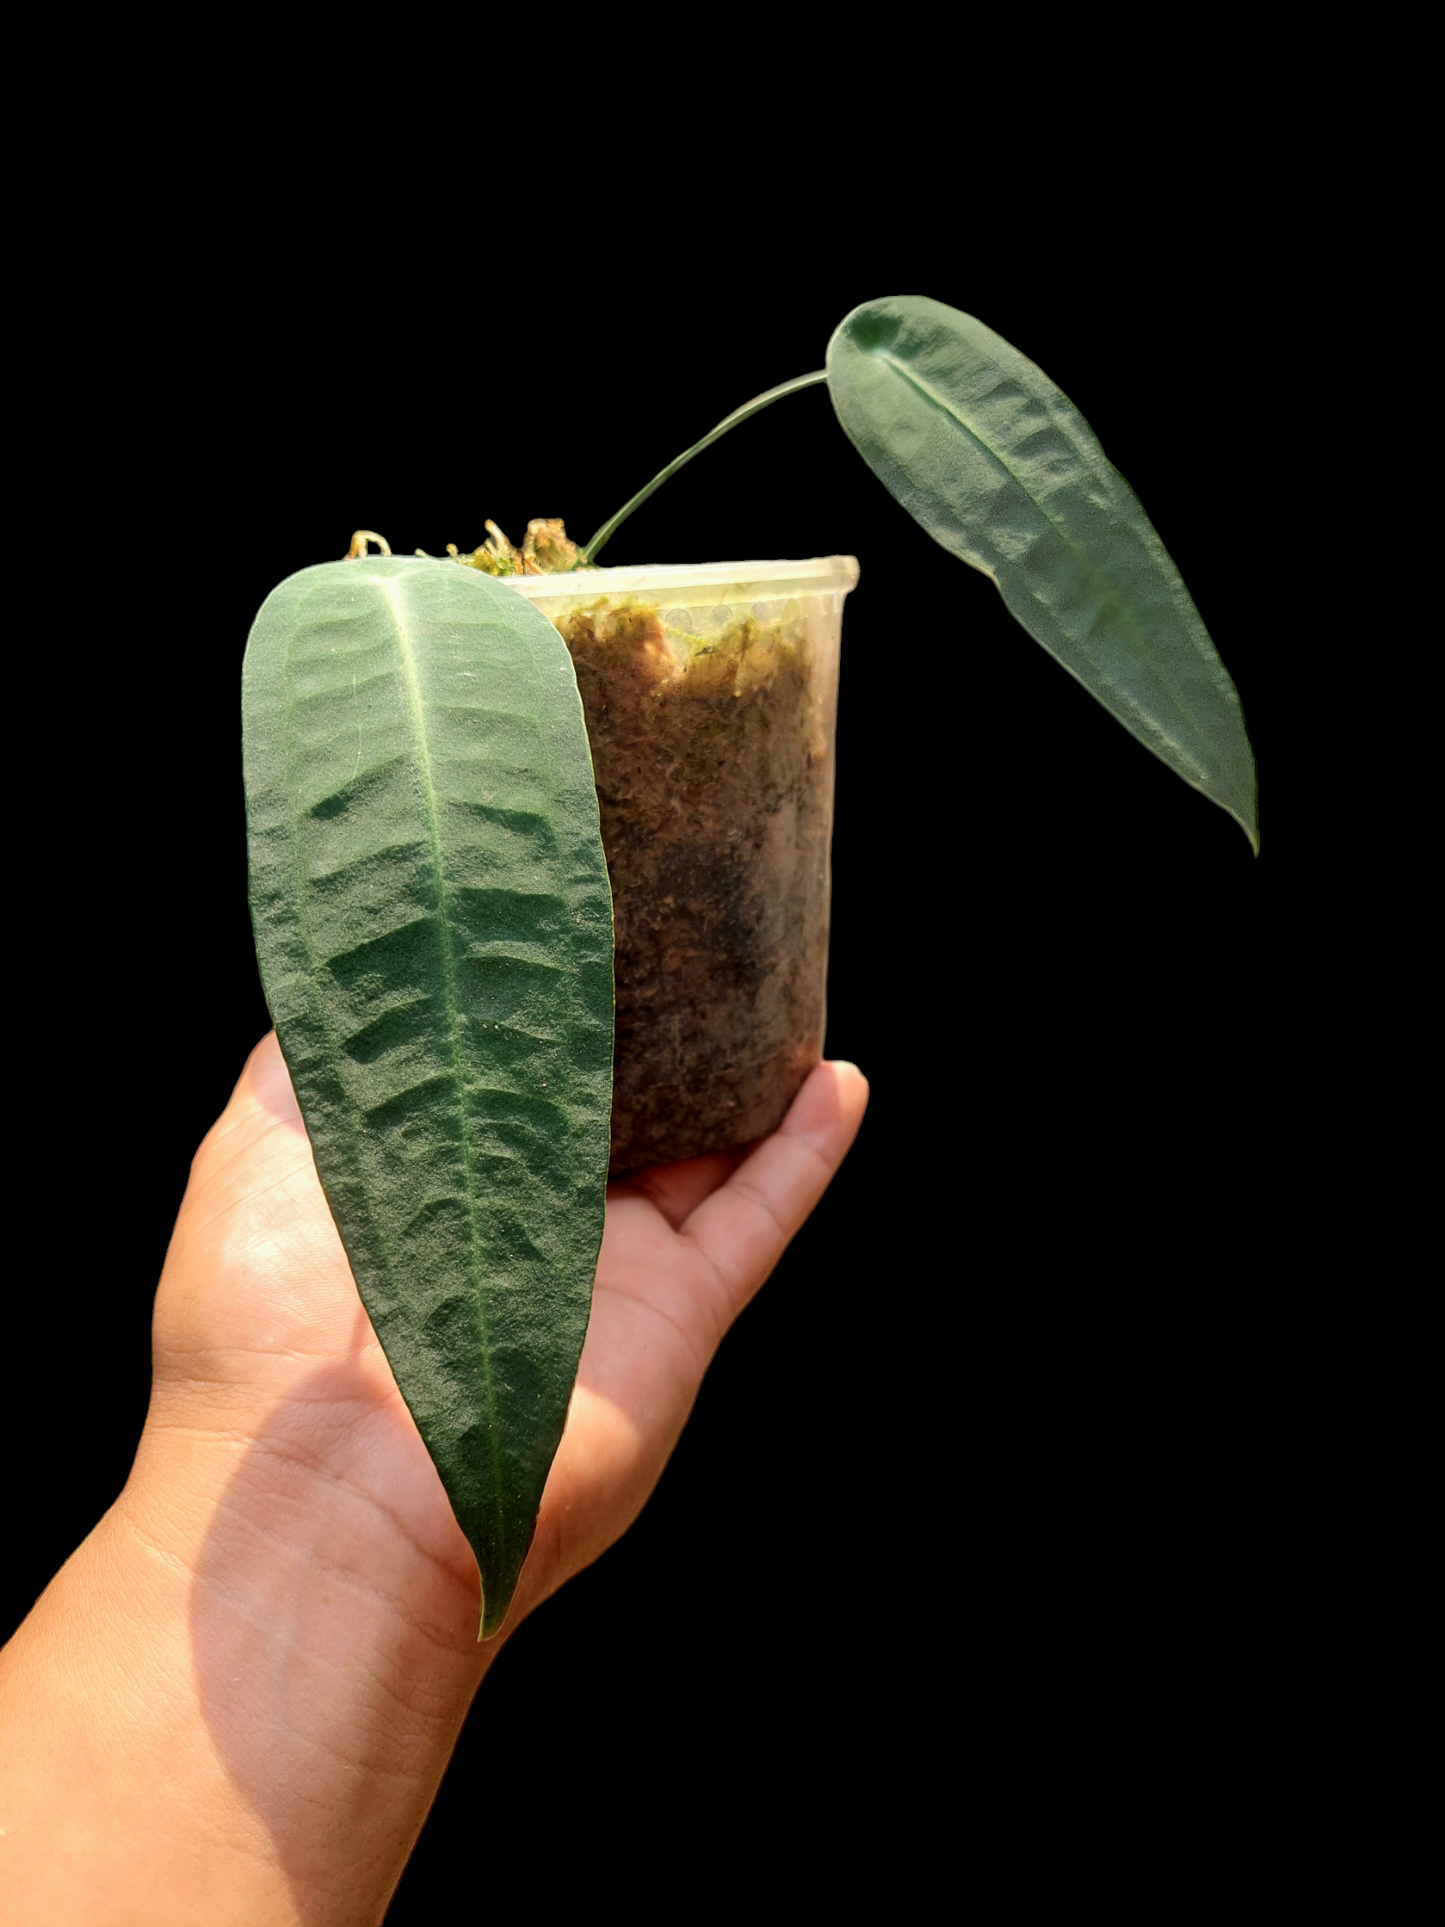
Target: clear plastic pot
710,694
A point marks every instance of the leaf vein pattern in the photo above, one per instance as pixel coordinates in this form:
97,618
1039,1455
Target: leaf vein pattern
1116,607
1100,574
318,1010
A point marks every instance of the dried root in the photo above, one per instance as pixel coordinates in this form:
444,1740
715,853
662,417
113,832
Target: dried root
360,540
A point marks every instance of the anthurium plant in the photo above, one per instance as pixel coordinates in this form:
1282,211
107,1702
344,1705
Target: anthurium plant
430,893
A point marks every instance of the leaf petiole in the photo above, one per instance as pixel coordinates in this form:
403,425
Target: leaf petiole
753,407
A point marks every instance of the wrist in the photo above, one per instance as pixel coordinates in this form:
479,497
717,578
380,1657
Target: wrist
236,1700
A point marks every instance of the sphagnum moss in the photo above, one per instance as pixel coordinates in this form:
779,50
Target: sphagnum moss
715,789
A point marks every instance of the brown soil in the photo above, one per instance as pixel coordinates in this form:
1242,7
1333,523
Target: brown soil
715,783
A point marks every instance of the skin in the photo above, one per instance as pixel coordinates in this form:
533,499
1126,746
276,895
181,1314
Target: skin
236,1700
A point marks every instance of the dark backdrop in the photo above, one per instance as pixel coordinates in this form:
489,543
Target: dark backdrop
986,1473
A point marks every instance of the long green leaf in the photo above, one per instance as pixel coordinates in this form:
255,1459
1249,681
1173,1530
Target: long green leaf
998,466
434,927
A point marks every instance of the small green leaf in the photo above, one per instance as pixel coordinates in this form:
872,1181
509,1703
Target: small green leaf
434,927
999,467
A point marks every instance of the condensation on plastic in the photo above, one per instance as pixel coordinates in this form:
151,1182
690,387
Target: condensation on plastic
711,696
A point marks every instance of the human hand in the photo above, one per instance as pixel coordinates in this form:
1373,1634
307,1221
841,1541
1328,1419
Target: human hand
296,1605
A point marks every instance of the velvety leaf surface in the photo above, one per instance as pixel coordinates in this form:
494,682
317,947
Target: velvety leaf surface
434,927
1000,468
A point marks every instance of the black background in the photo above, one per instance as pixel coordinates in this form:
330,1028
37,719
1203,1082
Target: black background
988,1474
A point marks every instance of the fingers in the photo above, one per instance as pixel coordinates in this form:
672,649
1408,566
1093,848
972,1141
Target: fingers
744,1227
676,1190
268,1081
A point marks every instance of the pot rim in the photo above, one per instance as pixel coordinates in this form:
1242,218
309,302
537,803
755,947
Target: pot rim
682,582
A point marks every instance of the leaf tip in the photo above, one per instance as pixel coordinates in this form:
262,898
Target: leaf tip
1250,825
492,1613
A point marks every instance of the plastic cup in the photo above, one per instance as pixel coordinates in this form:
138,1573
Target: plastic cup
711,695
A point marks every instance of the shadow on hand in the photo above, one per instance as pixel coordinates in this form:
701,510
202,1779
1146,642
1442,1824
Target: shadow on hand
329,1624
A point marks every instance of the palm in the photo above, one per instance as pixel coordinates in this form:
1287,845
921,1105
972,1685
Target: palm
259,1326
280,1604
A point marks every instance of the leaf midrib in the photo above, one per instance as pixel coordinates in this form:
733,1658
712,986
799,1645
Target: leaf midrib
416,709
1060,528
1122,611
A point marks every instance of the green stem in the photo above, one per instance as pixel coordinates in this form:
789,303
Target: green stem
609,529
